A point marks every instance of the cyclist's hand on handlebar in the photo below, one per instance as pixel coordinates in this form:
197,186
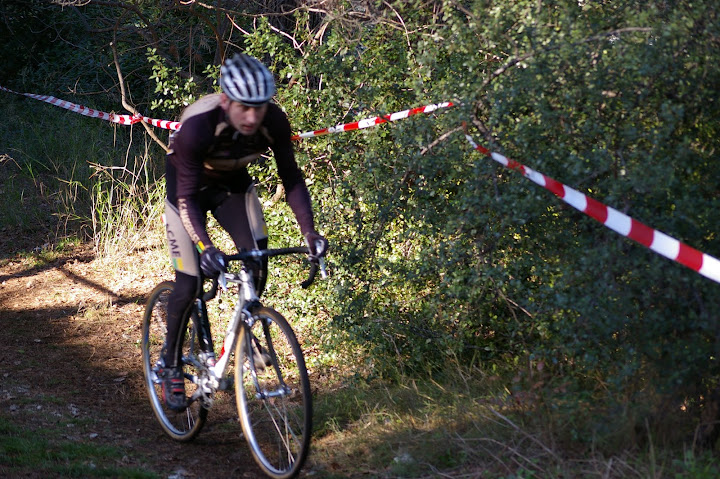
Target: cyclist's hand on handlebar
212,262
317,244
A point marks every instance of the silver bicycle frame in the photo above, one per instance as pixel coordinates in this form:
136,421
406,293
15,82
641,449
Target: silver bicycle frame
246,295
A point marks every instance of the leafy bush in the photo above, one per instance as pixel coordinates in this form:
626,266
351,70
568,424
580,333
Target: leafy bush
438,252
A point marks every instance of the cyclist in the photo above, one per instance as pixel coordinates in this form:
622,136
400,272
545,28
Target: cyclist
206,170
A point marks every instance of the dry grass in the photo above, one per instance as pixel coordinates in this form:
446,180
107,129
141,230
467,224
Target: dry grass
466,425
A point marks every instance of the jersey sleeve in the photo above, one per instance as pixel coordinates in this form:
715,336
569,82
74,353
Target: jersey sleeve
189,146
296,192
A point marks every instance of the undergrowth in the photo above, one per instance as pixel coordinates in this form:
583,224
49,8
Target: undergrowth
87,180
465,423
464,419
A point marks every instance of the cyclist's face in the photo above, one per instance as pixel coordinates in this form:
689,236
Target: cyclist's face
245,119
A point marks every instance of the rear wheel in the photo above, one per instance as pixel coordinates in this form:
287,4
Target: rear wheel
185,425
273,394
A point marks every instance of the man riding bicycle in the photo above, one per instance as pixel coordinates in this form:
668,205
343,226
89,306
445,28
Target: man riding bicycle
221,135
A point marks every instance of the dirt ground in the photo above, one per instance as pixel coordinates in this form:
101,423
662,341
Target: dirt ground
70,364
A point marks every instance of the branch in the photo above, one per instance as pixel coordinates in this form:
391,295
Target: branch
187,6
132,8
439,139
71,3
129,107
297,46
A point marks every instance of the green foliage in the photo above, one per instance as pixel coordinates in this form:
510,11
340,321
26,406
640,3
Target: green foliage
438,252
173,92
615,109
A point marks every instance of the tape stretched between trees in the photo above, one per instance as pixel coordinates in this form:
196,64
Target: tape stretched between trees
375,120
111,117
174,125
622,224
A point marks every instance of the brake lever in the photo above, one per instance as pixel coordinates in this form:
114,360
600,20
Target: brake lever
321,260
315,265
323,270
221,276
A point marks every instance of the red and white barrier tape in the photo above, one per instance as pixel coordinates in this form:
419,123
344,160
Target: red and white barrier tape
657,241
174,125
112,117
376,120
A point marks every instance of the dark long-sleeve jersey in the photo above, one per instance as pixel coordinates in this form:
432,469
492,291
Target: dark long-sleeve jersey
208,152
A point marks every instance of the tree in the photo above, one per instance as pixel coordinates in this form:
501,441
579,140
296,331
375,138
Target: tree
437,250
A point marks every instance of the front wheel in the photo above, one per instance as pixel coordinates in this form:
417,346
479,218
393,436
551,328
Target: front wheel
273,396
185,425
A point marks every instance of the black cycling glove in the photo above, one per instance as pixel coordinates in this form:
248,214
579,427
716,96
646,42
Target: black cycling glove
318,244
212,262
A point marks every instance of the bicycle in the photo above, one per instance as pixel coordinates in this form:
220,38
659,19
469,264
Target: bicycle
272,388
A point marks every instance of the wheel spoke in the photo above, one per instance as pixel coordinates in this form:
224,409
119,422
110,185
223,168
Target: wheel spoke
274,402
284,430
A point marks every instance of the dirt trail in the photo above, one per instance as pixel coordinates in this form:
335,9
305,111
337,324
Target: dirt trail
70,364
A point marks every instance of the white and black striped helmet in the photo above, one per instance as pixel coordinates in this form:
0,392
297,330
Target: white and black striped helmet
244,79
